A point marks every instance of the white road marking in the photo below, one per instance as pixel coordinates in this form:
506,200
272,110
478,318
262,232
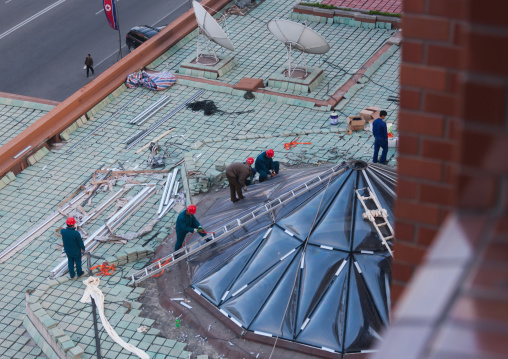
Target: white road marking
12,29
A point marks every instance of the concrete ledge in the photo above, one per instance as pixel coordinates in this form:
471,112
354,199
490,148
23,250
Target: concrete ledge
346,16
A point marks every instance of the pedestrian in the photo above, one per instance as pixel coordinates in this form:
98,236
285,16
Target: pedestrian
380,137
89,64
265,165
187,223
73,247
237,173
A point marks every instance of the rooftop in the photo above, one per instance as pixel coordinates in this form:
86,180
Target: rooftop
278,117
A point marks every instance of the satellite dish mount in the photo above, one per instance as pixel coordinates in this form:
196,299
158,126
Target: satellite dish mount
205,50
209,31
298,37
297,67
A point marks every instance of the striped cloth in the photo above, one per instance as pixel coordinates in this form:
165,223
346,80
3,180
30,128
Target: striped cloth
153,81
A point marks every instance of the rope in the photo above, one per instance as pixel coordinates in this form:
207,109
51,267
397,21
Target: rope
299,264
92,291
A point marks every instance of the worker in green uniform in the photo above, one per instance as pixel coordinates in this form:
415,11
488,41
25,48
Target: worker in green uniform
187,223
73,247
265,165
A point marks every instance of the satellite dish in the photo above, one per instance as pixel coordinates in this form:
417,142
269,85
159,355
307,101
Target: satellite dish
298,37
213,32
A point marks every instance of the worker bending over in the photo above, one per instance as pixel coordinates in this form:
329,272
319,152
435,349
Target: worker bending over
73,247
237,174
265,165
187,223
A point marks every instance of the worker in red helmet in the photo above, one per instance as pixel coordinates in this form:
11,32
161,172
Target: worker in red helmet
237,173
187,223
73,247
250,179
265,165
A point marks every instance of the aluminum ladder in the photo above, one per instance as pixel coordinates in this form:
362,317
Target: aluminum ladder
378,212
232,226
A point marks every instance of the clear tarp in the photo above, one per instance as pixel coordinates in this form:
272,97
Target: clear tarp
314,271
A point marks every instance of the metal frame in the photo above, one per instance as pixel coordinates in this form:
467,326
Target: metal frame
234,225
151,110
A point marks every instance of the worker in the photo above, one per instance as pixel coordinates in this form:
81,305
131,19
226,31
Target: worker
265,165
237,173
73,247
380,137
187,223
250,179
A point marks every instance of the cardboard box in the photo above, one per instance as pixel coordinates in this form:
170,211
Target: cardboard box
355,123
370,113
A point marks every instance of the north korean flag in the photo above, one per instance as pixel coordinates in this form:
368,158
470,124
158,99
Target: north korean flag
110,11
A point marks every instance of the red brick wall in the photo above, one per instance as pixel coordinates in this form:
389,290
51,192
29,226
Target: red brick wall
432,60
453,120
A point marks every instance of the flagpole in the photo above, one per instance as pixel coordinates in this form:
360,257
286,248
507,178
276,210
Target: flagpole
119,35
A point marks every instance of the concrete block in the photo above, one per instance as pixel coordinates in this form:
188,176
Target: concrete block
10,176
31,160
75,352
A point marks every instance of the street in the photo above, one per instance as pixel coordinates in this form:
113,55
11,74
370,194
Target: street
44,42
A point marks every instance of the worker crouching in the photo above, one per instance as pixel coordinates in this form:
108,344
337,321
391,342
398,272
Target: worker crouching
237,174
265,165
187,223
73,247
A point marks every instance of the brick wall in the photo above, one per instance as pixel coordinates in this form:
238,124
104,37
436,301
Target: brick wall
432,61
453,120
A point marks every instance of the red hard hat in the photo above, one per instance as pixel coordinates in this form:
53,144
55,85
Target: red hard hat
70,221
191,209
250,160
270,153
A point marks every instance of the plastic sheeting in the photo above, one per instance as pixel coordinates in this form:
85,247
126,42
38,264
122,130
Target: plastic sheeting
331,293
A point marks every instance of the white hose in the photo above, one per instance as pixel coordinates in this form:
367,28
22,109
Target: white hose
92,291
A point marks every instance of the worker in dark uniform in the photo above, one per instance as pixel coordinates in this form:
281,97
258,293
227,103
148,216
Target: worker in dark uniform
73,247
380,133
237,173
265,165
187,223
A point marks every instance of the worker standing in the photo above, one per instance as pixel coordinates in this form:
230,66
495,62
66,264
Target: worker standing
380,137
73,247
265,165
237,173
187,223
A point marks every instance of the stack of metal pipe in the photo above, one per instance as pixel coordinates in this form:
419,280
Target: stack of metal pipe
151,110
170,189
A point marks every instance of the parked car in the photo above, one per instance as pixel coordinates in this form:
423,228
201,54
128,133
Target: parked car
139,34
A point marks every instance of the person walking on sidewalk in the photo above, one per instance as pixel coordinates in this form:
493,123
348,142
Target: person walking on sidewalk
237,173
89,65
380,137
73,247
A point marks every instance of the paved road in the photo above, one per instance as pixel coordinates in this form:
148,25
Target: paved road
43,43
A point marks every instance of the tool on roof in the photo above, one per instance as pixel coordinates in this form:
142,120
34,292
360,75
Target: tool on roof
105,269
292,144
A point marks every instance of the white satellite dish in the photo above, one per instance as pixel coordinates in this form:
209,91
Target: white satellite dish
213,32
298,37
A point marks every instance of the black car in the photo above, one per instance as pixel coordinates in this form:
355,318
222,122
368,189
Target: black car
139,34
